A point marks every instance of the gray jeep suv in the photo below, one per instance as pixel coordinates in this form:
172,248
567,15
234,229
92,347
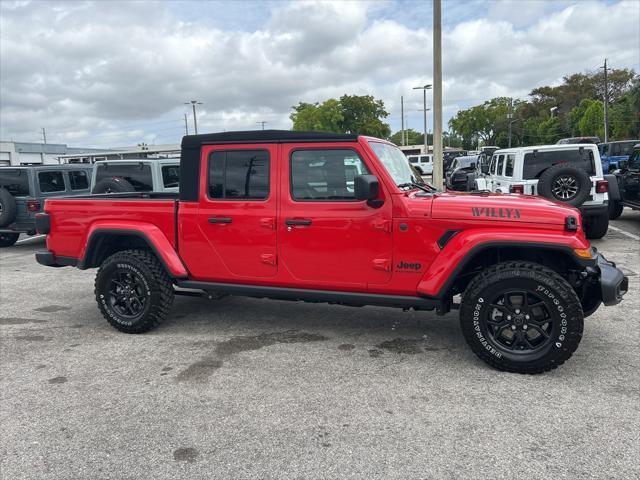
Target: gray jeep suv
23,191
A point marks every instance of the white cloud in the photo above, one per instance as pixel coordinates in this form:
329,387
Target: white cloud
108,73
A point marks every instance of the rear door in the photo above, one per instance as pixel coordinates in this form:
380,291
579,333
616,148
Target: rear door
235,238
327,238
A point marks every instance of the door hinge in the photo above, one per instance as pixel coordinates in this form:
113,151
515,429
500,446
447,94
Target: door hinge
269,223
383,264
268,258
384,225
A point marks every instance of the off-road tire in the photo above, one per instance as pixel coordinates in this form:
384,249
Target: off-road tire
551,175
596,227
156,285
8,207
8,239
558,298
615,209
113,185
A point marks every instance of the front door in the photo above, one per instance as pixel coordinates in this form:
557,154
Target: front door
327,238
236,214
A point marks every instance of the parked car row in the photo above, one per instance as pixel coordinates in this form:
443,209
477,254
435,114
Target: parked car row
23,190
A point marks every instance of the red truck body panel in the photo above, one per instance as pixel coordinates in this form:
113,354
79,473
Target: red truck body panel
347,246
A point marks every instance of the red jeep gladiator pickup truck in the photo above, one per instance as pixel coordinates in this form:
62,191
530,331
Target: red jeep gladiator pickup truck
339,219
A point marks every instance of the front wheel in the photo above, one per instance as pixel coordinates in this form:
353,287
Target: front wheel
521,317
133,291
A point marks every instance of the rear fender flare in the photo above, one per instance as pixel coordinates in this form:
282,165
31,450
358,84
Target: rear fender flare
151,234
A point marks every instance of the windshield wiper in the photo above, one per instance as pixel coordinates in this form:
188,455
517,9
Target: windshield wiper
422,186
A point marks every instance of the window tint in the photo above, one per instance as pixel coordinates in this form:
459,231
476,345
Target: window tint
508,169
51,182
425,159
137,174
413,159
492,165
536,162
171,176
604,149
242,174
634,160
627,148
500,165
15,180
79,180
325,174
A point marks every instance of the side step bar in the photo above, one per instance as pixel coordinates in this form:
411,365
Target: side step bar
355,299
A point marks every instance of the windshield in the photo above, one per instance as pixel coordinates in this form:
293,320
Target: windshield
396,163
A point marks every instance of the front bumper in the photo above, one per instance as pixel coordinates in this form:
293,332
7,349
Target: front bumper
613,283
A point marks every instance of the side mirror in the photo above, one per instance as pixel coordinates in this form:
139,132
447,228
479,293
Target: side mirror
366,187
473,165
623,165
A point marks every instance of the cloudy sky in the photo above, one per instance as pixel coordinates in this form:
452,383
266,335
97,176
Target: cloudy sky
110,73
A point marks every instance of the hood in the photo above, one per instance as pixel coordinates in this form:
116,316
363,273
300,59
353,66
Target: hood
499,207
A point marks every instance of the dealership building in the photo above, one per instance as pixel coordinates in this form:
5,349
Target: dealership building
23,153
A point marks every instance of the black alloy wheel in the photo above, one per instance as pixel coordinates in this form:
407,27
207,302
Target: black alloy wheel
519,321
127,294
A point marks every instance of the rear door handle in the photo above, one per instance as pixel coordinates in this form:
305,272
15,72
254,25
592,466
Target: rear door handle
220,220
297,221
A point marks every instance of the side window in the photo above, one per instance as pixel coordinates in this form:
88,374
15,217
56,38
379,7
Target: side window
500,165
79,180
325,175
634,160
239,174
605,149
508,169
16,181
51,182
171,176
492,165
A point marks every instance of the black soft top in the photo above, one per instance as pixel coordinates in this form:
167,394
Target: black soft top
264,136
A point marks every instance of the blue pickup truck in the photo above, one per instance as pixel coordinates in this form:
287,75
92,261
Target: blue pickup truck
612,152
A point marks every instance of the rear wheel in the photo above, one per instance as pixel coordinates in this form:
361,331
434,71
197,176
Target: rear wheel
8,207
521,317
8,239
615,209
133,291
596,227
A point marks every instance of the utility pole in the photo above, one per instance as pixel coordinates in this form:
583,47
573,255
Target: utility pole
44,135
437,94
193,103
402,121
606,103
509,116
261,123
186,125
424,89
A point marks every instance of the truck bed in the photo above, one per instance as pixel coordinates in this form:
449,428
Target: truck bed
73,219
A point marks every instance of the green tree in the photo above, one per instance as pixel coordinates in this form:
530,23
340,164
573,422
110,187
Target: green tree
350,114
592,122
549,131
413,137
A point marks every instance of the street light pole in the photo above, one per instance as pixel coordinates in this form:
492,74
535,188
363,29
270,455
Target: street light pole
424,89
402,120
261,123
195,119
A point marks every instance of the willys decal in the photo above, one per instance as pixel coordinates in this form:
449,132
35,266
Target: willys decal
495,212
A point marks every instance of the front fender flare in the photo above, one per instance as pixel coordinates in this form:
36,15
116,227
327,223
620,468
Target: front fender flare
461,249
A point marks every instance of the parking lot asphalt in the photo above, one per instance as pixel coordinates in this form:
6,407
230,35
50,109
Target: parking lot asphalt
247,388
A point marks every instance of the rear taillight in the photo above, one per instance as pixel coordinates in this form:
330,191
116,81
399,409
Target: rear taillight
602,186
33,205
516,189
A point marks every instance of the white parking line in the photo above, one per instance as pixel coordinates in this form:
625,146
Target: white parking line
624,232
29,239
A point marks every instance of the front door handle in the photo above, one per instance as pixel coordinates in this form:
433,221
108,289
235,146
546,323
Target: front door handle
297,221
220,220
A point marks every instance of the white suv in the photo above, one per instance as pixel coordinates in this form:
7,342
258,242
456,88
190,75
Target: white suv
422,163
136,175
565,173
